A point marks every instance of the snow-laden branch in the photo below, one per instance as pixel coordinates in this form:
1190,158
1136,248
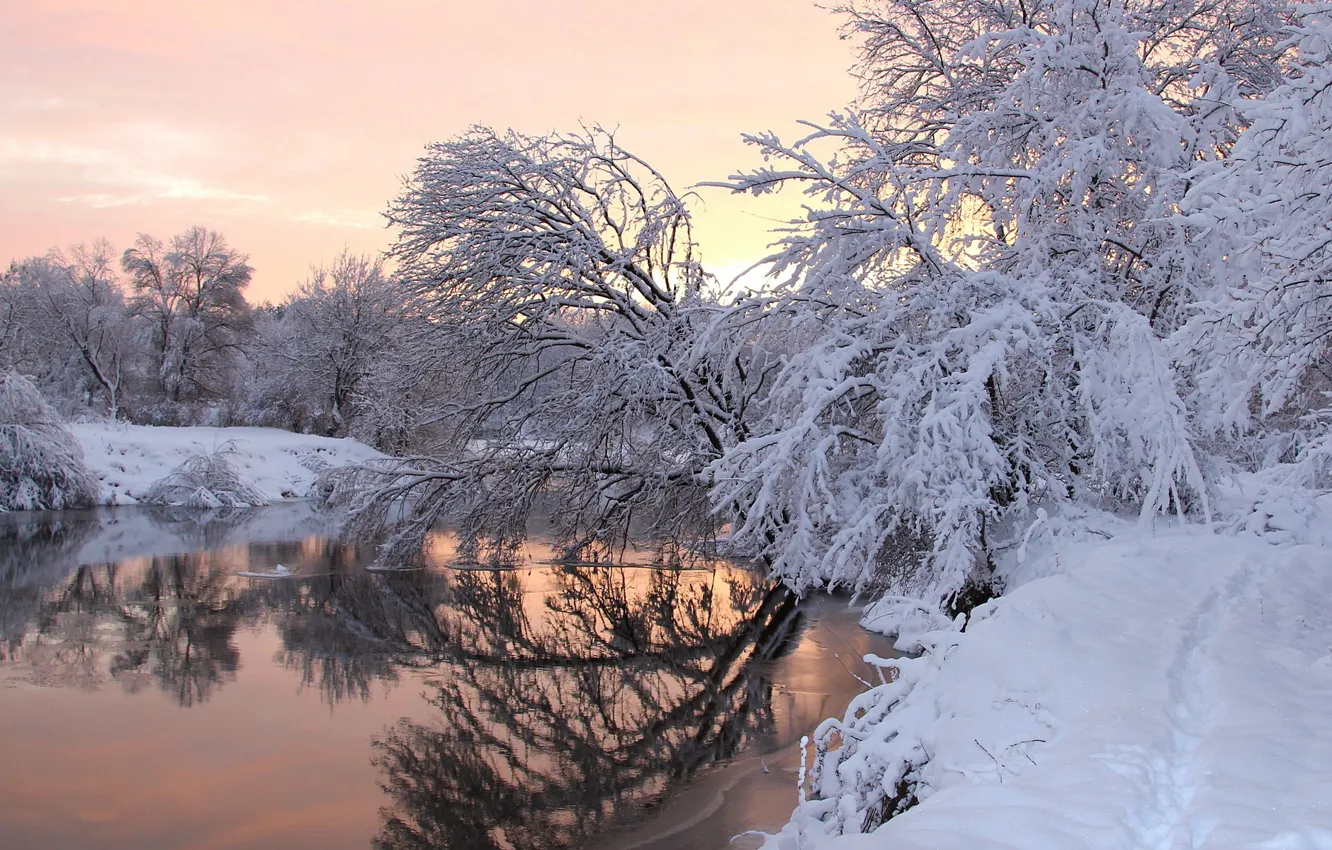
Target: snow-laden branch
595,369
991,267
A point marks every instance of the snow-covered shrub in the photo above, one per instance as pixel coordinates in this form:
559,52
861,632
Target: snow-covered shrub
41,464
206,480
906,620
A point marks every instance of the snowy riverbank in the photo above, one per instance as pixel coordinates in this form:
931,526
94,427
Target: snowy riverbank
127,459
1168,689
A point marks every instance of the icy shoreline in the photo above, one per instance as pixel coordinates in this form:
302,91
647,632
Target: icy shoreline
1163,690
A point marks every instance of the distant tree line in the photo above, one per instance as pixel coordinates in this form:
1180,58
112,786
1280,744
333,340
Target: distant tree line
163,334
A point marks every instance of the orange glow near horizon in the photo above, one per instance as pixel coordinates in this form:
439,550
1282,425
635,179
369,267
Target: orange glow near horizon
288,127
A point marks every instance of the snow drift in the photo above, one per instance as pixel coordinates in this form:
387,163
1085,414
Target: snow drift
128,460
1080,711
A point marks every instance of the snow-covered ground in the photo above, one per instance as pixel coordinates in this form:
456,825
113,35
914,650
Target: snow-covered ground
1165,689
128,459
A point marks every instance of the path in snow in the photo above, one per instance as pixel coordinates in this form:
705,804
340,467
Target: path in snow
1169,776
1169,692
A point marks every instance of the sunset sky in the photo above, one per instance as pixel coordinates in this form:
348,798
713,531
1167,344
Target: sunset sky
289,125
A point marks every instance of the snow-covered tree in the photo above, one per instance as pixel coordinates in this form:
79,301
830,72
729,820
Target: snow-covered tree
192,293
64,322
559,277
26,343
994,259
86,307
1262,343
17,317
333,357
340,322
41,464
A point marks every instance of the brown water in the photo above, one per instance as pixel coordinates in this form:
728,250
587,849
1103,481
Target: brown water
152,697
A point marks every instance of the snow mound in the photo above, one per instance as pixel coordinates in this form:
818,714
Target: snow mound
908,620
41,464
206,481
129,459
1280,514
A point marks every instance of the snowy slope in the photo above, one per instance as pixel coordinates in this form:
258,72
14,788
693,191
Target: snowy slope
1166,691
127,459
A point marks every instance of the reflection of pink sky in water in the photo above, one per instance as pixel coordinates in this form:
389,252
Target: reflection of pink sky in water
262,762
536,564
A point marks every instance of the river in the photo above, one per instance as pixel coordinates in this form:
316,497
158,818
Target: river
153,696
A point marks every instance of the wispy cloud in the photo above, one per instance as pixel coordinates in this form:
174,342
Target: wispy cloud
115,182
28,152
162,187
40,104
363,219
153,115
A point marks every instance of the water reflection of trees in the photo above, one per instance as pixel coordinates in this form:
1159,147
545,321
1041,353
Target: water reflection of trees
201,530
548,730
179,624
564,697
346,630
33,555
169,622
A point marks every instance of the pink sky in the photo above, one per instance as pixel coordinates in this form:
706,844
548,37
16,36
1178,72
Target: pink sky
289,125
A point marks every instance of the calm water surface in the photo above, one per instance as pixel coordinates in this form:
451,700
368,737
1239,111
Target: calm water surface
151,696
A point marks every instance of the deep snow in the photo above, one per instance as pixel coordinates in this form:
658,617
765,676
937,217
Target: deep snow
1164,689
128,459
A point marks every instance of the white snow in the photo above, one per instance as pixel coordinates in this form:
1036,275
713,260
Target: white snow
128,459
279,571
1166,689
